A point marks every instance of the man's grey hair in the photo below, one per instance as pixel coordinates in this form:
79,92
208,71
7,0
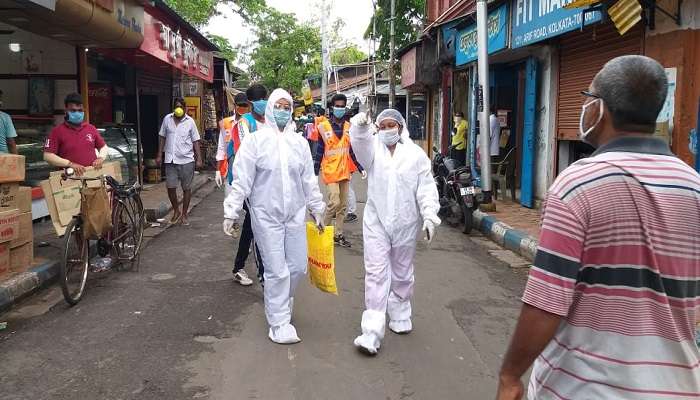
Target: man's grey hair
634,89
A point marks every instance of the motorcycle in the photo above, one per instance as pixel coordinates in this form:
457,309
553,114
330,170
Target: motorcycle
459,194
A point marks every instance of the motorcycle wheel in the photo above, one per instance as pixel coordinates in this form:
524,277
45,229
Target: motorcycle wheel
468,220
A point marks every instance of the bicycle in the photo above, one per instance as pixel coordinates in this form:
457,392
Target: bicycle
123,241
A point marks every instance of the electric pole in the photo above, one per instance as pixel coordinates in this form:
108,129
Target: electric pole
324,57
392,82
484,101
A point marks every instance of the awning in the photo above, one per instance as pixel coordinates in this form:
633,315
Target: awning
78,22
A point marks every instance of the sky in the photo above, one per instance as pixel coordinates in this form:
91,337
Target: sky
355,13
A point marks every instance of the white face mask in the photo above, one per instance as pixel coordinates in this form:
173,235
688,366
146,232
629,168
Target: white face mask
389,136
457,120
583,133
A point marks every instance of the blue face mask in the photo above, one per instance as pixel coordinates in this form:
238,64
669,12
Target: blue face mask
282,117
259,106
76,117
339,112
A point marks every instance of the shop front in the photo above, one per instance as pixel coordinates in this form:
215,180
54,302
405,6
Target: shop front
44,46
174,60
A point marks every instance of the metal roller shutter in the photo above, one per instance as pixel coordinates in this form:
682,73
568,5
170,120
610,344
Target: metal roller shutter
147,79
581,56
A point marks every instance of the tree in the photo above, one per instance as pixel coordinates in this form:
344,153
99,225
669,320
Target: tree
350,54
198,12
285,52
226,51
409,15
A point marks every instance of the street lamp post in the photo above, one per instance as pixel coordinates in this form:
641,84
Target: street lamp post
484,101
392,81
324,57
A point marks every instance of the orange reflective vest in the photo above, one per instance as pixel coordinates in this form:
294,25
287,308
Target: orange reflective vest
230,126
337,164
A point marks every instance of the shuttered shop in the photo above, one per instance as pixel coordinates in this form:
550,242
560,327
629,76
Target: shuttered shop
582,55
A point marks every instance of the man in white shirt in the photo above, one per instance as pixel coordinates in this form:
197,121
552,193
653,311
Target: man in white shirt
179,139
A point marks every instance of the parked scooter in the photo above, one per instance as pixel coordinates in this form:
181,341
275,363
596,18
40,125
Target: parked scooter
459,194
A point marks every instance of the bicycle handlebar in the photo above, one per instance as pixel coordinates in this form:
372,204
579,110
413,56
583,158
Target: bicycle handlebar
69,173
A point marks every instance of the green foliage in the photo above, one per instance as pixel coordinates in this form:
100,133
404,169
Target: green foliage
350,54
226,50
198,12
409,14
286,52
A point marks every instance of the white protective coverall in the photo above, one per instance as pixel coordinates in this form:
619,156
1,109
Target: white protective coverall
401,191
275,172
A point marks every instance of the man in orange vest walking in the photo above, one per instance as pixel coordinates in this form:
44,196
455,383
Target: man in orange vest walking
336,162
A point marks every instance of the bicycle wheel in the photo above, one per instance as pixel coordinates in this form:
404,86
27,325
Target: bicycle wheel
74,266
139,216
124,239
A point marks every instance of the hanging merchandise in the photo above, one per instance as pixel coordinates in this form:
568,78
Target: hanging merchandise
209,111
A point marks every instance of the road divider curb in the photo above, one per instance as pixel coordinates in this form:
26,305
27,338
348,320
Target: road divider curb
505,235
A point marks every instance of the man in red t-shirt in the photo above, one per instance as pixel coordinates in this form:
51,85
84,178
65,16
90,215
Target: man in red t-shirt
73,143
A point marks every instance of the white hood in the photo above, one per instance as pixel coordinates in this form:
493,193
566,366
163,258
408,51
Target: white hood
276,95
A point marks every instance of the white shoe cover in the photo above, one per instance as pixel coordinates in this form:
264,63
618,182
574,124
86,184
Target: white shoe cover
368,342
284,334
401,327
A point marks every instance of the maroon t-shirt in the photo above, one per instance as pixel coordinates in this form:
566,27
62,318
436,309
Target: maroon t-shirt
76,144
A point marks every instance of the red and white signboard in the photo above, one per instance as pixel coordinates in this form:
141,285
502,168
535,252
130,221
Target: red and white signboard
170,44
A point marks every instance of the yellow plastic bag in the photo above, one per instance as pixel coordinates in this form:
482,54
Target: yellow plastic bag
321,258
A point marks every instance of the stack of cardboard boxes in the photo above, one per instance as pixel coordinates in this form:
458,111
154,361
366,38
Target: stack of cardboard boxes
16,232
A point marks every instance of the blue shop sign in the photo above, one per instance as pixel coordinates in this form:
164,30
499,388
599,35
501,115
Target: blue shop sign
497,27
537,20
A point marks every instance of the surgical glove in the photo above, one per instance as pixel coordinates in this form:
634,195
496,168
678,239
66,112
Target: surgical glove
360,119
429,228
231,227
318,218
364,174
218,179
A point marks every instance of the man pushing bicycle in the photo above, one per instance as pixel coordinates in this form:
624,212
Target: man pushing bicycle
72,144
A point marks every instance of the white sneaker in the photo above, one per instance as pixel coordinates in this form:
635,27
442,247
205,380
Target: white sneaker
368,343
284,334
242,278
401,327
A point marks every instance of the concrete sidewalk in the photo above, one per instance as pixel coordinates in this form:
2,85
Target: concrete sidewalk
48,246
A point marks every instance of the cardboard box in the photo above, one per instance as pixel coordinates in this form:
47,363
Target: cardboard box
4,260
9,225
11,168
24,199
22,257
63,197
9,196
26,231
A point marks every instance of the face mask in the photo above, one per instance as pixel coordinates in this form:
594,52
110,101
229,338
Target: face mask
389,136
240,110
457,120
339,112
583,133
282,117
259,106
179,112
75,117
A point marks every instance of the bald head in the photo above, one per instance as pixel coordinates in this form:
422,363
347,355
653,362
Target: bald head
634,89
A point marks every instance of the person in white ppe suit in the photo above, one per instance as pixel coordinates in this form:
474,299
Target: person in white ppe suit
401,192
275,172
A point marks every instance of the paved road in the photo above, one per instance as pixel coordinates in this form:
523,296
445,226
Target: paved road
180,329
